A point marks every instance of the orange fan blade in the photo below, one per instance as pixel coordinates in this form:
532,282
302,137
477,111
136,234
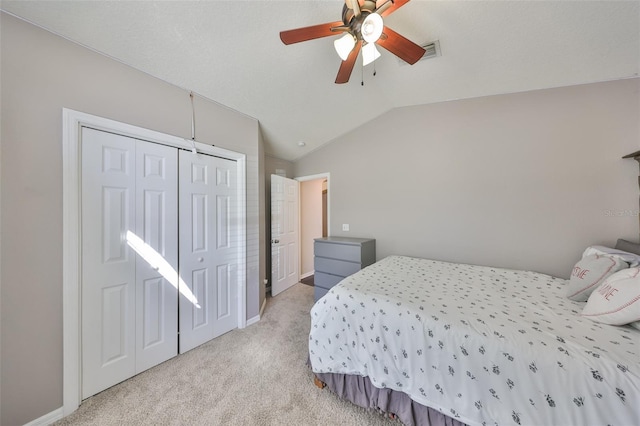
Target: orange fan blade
310,33
347,66
388,10
400,46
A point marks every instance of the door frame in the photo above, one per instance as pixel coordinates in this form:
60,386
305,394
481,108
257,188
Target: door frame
72,122
318,176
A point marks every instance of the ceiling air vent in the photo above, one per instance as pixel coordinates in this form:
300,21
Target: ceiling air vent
432,50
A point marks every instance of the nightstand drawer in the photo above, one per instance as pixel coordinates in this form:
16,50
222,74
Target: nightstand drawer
337,258
323,280
349,252
336,267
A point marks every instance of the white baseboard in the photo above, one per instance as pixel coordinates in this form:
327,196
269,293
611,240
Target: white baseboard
305,275
253,320
257,317
48,419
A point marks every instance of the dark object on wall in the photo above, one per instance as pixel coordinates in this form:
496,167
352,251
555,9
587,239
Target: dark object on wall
635,156
628,246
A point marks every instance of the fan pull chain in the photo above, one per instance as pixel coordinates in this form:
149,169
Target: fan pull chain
362,73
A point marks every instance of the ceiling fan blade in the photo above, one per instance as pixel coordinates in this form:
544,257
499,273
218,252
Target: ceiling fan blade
400,46
347,66
355,6
395,4
340,28
384,5
309,33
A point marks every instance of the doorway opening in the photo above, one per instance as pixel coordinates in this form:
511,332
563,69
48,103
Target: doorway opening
314,220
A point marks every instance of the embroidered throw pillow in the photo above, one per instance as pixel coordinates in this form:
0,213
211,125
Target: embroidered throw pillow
617,300
589,273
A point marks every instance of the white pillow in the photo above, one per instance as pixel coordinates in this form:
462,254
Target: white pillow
632,259
617,300
589,273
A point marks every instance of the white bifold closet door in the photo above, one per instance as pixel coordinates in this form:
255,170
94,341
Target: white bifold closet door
208,248
140,281
129,257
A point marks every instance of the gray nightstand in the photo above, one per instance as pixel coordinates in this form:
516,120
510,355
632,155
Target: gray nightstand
337,258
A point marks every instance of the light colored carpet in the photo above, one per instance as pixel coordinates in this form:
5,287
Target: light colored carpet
254,376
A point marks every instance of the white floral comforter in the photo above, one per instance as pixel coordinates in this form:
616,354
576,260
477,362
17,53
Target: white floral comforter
482,345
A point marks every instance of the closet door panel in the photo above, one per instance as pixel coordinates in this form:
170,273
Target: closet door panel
108,264
196,233
226,250
208,254
156,237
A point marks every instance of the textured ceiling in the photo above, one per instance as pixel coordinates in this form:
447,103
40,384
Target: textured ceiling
230,52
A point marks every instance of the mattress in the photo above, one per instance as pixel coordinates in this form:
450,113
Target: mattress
481,345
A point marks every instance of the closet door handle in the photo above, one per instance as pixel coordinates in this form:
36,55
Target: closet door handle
275,241
200,259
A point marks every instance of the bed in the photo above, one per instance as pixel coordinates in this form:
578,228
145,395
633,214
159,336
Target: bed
444,343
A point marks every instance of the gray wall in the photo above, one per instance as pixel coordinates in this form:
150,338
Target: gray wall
40,74
524,180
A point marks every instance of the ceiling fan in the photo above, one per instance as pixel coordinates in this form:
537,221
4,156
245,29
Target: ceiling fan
363,28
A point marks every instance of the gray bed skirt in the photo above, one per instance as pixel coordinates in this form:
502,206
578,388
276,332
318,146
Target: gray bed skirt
361,392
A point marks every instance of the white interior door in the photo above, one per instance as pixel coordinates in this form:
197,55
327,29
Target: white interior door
208,249
129,257
284,233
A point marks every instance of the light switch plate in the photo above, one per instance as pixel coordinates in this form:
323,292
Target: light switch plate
345,226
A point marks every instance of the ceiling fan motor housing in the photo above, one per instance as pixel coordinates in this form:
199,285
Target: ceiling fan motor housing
354,22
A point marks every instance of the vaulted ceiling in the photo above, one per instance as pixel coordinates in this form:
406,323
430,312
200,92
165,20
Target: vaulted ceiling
230,52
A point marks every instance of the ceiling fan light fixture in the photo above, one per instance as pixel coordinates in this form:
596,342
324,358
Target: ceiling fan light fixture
369,53
371,29
344,45
361,24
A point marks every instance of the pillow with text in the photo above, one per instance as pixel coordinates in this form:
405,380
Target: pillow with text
589,273
617,300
